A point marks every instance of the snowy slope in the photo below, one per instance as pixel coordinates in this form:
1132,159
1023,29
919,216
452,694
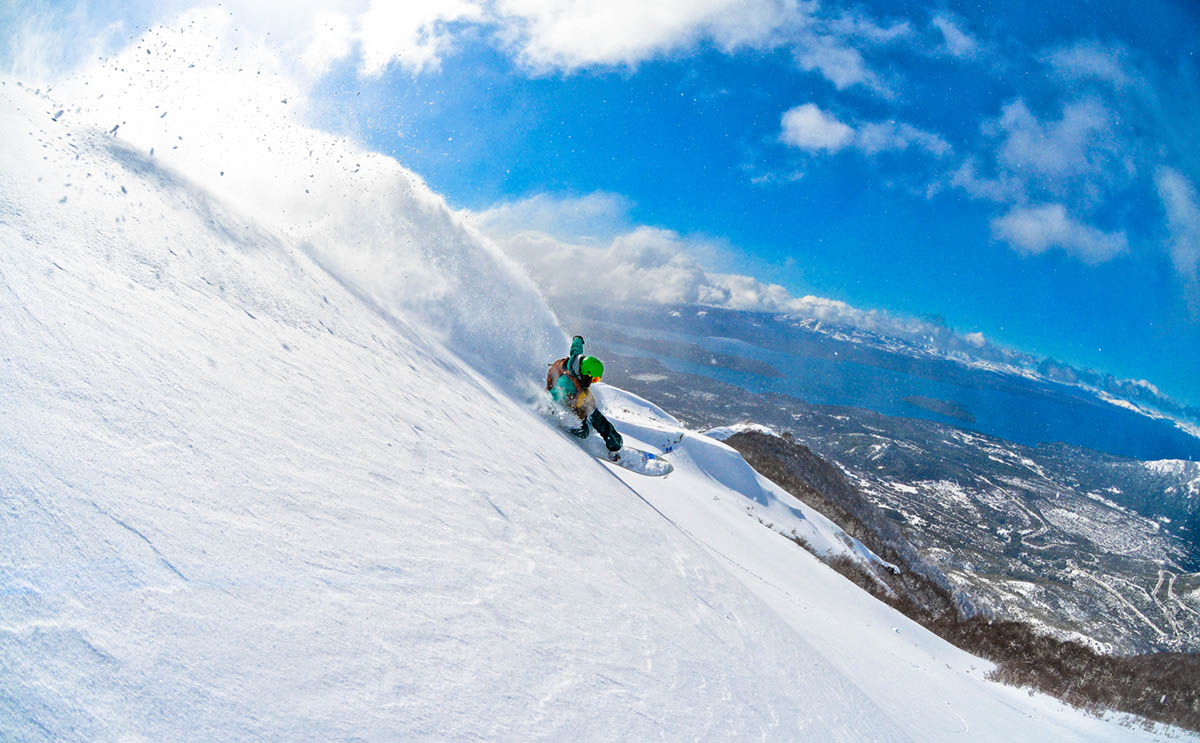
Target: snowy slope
242,503
758,497
891,666
1187,472
268,473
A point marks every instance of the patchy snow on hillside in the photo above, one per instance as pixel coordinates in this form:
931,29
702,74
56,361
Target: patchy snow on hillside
720,433
1188,473
269,471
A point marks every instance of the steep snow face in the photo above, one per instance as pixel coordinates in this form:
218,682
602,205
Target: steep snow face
260,480
241,503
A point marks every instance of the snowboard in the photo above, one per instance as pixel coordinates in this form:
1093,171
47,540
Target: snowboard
634,460
641,462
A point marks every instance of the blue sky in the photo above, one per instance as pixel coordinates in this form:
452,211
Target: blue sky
1098,104
1025,171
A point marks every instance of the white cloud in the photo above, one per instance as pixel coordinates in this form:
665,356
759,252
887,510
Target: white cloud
774,177
1053,175
548,36
1036,229
595,216
646,264
591,251
809,128
839,63
1081,142
637,264
1090,60
890,135
1182,206
1004,188
834,48
557,36
861,27
414,35
1146,385
332,39
959,43
554,36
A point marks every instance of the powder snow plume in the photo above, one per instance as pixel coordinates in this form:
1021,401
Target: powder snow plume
218,111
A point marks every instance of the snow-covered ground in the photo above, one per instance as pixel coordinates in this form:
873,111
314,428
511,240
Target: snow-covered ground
1189,472
269,471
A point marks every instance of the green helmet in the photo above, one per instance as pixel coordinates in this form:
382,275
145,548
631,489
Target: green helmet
590,366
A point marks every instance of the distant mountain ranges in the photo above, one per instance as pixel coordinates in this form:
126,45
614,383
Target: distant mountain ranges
1089,546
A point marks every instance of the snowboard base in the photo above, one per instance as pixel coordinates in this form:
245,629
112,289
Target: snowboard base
641,462
634,460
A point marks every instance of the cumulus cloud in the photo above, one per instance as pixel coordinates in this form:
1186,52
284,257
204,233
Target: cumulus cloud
1002,188
547,37
1090,60
958,42
590,250
1081,142
807,127
1182,207
554,36
1053,175
834,49
415,36
891,135
839,63
1036,229
639,264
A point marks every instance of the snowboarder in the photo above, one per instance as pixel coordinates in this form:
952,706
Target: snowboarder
569,381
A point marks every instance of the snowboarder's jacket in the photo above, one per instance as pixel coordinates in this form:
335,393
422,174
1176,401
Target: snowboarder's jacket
570,389
567,386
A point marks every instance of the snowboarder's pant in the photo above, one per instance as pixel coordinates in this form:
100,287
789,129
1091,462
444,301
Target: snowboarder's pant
612,439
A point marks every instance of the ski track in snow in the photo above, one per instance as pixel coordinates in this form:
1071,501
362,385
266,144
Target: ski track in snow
270,473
